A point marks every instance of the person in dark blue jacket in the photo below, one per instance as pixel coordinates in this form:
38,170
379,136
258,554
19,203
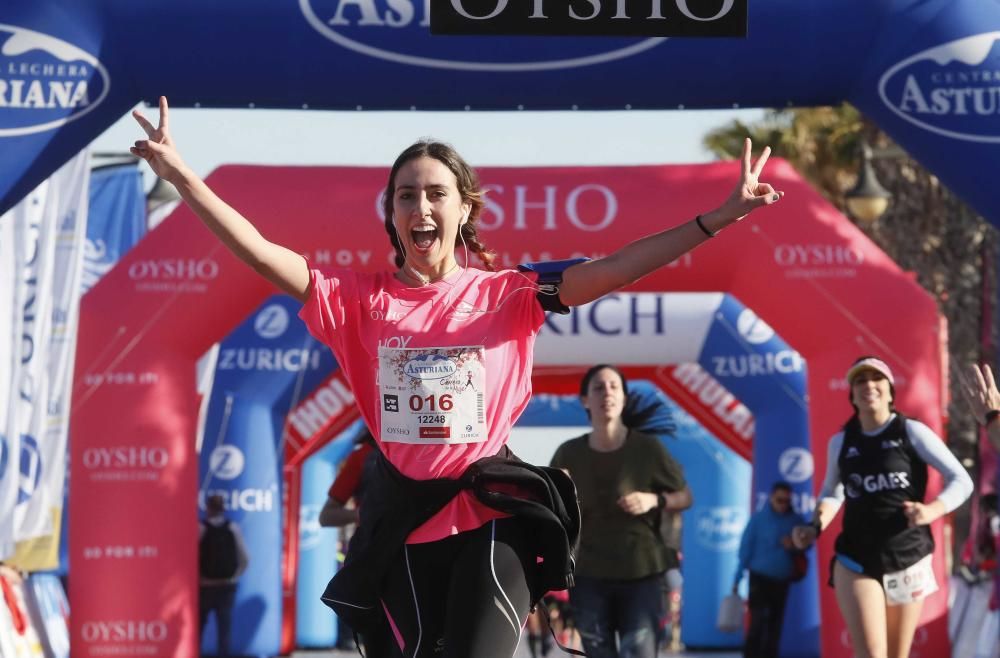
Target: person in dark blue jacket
766,552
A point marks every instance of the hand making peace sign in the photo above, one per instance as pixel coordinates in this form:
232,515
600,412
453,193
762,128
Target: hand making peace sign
750,192
158,150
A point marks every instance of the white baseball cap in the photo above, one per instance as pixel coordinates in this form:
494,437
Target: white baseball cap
870,363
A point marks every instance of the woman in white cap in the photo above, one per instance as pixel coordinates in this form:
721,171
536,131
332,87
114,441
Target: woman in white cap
877,469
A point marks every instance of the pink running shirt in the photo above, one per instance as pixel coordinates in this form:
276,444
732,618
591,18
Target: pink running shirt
354,313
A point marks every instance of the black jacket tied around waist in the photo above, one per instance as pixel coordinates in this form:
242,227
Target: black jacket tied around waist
395,505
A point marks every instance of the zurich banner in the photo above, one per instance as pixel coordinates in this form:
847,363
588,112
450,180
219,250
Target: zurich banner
263,366
746,356
926,73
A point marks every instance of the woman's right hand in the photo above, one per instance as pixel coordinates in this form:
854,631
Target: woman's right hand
158,150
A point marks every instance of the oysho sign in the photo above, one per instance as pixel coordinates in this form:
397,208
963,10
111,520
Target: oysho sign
123,630
657,18
45,82
398,31
125,463
952,89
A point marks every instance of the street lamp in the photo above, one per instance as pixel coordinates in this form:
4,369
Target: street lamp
867,200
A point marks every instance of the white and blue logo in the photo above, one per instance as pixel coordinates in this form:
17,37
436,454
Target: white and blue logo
399,31
309,527
719,529
753,330
430,366
271,322
952,89
796,465
45,82
226,462
31,468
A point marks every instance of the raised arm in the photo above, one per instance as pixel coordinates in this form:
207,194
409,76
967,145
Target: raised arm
585,282
282,267
983,398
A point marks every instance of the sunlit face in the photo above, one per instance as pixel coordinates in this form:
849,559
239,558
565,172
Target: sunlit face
870,392
605,396
427,211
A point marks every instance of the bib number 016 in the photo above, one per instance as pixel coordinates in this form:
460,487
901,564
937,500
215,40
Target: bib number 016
431,403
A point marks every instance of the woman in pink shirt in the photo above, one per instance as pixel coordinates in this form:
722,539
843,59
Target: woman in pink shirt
439,357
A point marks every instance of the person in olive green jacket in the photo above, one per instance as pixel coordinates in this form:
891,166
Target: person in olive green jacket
624,480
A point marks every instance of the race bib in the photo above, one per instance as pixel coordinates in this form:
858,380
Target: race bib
914,583
433,395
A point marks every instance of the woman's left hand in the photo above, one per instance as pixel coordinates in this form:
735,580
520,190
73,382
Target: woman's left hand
638,502
980,392
920,514
750,192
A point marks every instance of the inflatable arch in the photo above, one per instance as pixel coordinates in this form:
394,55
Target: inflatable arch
801,266
925,71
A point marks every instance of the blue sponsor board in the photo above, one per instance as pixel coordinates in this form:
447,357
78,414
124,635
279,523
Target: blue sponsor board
319,548
47,82
765,373
241,455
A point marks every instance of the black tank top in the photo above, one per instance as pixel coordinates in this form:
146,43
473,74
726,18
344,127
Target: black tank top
879,473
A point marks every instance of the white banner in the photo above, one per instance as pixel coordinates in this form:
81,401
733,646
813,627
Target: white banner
72,183
49,233
631,328
8,332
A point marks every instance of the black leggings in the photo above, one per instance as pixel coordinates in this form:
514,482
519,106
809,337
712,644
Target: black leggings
462,596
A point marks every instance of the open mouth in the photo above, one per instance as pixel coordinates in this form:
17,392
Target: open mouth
423,238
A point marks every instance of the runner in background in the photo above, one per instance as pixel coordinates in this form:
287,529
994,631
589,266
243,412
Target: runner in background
453,571
877,469
624,479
